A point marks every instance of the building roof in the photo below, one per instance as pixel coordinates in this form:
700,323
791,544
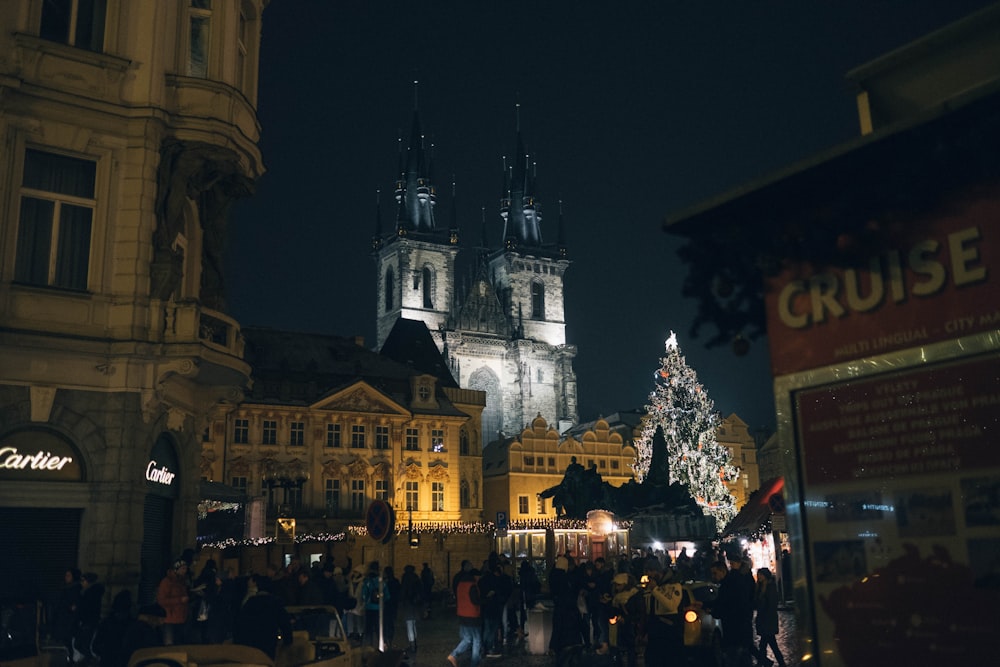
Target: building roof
294,368
410,343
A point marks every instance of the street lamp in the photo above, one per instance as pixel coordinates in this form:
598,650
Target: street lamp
414,539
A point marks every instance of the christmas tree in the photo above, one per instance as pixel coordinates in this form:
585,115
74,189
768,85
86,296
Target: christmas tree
681,409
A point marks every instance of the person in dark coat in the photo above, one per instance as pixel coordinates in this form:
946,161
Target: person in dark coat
427,583
63,615
390,605
88,615
766,599
142,632
734,607
107,641
262,619
411,603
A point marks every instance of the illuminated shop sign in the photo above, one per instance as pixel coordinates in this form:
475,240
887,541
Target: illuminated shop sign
11,459
162,469
159,474
38,456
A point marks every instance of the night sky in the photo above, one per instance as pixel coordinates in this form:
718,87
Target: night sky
632,111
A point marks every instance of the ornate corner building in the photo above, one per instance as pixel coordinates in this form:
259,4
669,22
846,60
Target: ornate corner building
506,334
126,131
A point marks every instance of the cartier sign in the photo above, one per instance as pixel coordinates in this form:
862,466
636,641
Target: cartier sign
159,473
11,459
38,456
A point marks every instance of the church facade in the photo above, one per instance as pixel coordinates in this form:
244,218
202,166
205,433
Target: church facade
504,335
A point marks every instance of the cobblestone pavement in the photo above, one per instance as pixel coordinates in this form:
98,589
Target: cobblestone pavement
438,635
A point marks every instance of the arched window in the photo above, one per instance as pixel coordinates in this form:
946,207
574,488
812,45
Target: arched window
463,442
484,379
390,287
428,293
537,301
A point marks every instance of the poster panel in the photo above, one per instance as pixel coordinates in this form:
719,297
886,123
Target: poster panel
899,478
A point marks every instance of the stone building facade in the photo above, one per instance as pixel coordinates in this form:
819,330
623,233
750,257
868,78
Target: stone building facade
126,130
330,426
505,334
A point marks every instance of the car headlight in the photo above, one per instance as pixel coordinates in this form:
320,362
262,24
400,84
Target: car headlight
690,616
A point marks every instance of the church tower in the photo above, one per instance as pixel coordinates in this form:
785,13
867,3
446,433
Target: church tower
505,334
416,259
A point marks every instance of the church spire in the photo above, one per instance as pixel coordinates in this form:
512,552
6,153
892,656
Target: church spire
377,238
415,189
519,207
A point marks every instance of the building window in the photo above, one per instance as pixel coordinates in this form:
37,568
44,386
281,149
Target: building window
297,434
437,440
541,375
537,301
390,287
522,504
269,433
381,489
541,505
79,23
357,436
463,495
199,30
412,441
463,442
294,497
357,495
333,435
241,431
242,40
412,495
614,464
602,464
552,462
437,496
428,296
332,496
529,460
239,483
381,437
590,463
57,212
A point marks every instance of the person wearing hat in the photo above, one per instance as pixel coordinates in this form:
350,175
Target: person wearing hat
664,625
172,595
628,609
355,615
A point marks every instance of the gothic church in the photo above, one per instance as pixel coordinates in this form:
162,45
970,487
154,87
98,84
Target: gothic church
505,334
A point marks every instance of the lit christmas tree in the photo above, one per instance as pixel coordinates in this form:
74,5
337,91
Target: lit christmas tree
681,409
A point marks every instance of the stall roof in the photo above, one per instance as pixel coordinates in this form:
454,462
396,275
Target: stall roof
757,511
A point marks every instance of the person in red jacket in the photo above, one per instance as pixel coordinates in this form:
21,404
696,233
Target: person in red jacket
172,595
470,622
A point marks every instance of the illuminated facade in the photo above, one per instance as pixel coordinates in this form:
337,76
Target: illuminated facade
506,335
734,434
126,129
516,470
331,426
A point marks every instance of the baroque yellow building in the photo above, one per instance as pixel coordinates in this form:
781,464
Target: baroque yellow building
126,131
734,434
517,470
331,426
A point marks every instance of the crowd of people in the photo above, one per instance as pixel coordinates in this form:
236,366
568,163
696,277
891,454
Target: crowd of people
214,606
628,608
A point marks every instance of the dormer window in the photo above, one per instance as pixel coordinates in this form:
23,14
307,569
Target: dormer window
424,392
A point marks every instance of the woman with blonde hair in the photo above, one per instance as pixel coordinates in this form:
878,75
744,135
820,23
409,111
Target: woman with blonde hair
766,600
